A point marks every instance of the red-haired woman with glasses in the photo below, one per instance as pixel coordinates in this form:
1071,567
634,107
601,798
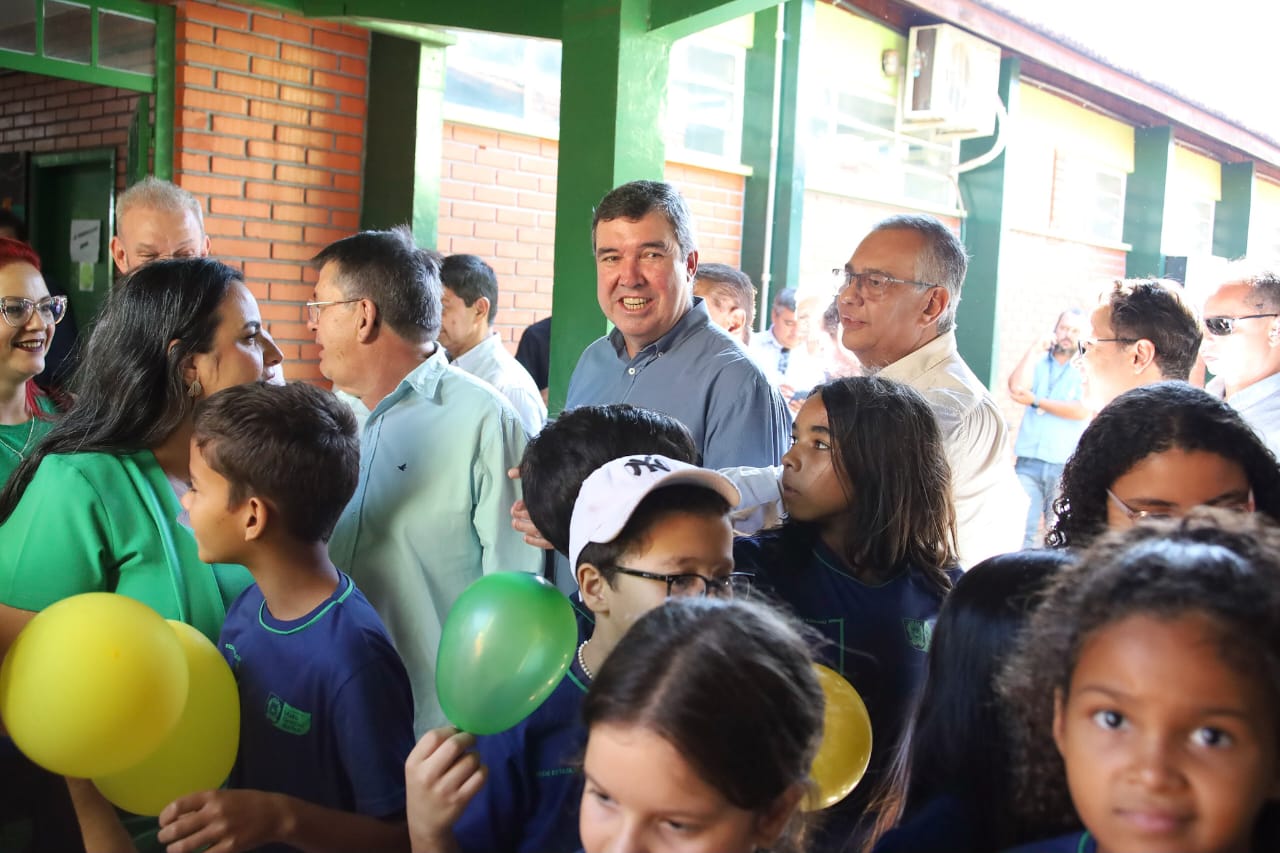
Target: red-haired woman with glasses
28,318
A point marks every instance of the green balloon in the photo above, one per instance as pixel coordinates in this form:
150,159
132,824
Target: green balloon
506,643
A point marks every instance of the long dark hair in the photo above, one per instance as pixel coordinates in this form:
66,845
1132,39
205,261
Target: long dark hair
890,461
1219,563
681,665
956,742
129,392
1153,419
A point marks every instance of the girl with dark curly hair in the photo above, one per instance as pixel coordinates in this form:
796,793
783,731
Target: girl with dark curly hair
1157,451
1146,693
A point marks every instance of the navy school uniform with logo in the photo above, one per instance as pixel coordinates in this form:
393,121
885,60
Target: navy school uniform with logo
326,711
530,801
878,639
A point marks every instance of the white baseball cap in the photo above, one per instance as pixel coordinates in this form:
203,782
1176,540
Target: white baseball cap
613,491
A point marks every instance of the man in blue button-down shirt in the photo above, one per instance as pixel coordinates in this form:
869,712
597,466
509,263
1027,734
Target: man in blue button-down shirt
664,352
429,514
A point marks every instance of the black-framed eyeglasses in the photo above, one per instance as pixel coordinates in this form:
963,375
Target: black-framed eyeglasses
17,309
1247,505
872,285
691,585
1220,327
1089,343
314,308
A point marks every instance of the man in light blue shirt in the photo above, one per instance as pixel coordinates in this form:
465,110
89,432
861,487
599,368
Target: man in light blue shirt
1048,382
429,515
664,352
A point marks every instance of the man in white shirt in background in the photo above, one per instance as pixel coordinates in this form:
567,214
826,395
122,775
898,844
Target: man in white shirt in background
470,301
1241,347
897,302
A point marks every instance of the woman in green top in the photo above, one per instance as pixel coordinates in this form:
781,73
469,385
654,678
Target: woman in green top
108,476
94,507
30,317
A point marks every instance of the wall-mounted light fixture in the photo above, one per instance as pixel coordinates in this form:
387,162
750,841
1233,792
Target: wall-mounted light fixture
890,62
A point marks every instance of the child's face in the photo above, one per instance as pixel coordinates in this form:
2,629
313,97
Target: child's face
811,490
641,796
678,543
1166,747
215,526
1174,481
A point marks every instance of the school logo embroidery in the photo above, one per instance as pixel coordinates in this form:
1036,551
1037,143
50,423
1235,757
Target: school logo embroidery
653,463
919,633
287,718
232,656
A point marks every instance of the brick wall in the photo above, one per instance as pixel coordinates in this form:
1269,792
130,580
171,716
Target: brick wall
1044,276
45,115
498,198
270,135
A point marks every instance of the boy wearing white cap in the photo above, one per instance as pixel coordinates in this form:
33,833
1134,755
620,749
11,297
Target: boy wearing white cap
644,528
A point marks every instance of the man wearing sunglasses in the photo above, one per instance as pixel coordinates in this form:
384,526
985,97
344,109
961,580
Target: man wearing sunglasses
1142,331
1242,348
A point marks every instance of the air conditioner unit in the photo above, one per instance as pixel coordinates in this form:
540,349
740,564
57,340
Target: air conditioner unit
952,84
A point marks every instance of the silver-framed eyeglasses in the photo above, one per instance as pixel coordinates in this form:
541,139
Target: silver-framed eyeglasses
17,309
1220,327
691,585
872,285
314,308
1138,514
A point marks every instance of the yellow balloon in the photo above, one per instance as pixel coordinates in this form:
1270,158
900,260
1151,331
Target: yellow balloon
846,742
199,752
92,684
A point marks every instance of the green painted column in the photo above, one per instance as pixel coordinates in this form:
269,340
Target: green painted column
1232,214
983,191
1144,200
773,201
613,84
759,111
165,85
403,136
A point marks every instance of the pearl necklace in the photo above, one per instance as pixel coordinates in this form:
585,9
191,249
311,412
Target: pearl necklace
21,454
582,663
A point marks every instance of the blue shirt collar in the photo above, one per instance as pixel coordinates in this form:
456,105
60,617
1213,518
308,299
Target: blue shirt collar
693,320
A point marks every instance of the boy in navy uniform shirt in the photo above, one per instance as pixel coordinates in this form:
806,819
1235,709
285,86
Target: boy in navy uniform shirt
644,528
326,707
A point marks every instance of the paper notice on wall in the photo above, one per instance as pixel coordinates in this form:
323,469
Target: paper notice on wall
86,237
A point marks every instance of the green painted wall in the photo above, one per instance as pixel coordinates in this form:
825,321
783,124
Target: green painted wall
1232,213
984,193
1144,200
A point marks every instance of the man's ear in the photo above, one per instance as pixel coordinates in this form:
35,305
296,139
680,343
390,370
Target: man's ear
256,513
1144,354
205,251
367,325
691,265
594,588
936,306
737,319
480,308
118,254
